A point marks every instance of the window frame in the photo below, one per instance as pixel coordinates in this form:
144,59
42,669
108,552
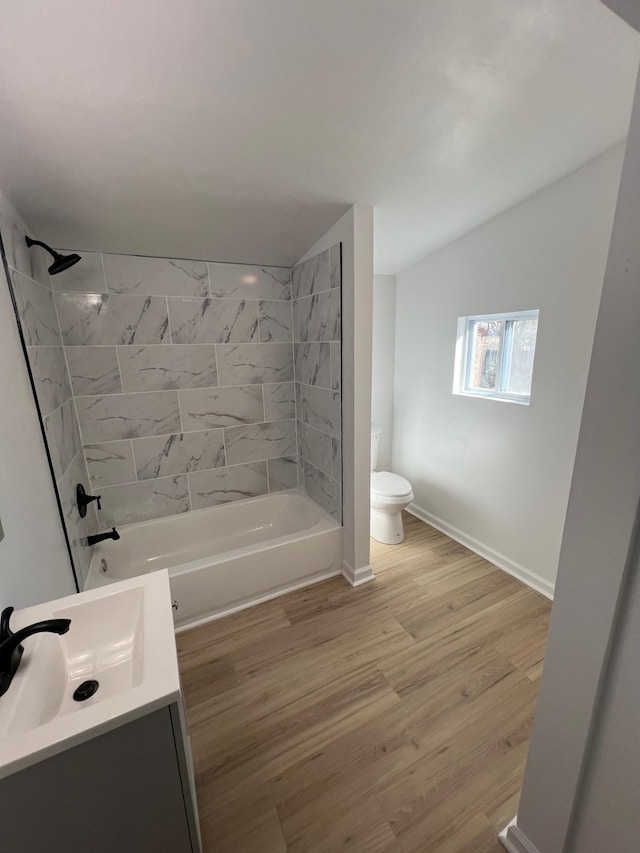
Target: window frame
464,356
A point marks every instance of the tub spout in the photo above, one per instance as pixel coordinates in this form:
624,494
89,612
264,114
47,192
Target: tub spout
100,537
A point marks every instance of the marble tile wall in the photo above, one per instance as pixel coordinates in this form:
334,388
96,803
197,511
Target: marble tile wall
317,330
33,296
182,374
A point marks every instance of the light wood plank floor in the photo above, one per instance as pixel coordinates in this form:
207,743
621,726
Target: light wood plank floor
394,717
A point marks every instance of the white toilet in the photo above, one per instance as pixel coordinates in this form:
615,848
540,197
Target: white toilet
390,494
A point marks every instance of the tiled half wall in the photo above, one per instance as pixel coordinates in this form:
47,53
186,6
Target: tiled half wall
317,324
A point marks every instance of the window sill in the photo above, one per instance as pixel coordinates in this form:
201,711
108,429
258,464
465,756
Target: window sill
499,398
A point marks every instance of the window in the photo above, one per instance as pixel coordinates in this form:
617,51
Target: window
494,356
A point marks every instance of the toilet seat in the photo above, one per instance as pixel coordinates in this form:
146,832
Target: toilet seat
387,484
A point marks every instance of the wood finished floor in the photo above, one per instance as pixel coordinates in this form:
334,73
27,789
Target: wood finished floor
394,717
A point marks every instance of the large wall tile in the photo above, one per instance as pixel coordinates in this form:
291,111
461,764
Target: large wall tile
322,489
50,377
221,485
317,330
283,474
319,316
260,441
158,368
320,408
141,501
63,439
335,266
313,366
275,321
221,407
312,276
87,276
315,447
250,282
37,312
213,321
155,276
94,370
247,364
90,319
110,463
128,416
178,454
279,401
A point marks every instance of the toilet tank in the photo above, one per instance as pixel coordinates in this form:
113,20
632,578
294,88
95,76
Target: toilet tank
376,432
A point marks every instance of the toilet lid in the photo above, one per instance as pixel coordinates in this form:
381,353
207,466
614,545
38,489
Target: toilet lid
386,483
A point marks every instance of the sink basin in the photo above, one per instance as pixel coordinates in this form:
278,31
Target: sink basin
120,636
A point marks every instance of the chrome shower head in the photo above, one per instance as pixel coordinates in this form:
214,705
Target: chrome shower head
60,262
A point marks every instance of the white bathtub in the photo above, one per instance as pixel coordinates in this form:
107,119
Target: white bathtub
227,557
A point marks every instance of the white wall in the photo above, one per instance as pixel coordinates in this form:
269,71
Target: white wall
499,473
355,231
34,561
608,817
383,361
600,526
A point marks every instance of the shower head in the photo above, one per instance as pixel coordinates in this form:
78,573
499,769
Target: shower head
60,262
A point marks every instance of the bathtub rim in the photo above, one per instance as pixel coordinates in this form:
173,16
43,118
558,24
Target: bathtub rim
323,526
296,490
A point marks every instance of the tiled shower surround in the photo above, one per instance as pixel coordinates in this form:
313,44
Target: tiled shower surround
34,299
182,384
316,286
183,379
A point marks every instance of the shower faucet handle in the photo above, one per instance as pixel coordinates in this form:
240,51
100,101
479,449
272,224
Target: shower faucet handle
83,500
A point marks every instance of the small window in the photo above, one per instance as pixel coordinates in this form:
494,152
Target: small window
494,356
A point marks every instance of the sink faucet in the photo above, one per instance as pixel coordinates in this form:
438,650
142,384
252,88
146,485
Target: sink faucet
100,537
10,643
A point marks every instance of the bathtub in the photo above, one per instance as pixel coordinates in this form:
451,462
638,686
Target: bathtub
227,557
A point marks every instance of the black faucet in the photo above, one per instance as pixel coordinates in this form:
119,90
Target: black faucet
100,537
83,500
10,643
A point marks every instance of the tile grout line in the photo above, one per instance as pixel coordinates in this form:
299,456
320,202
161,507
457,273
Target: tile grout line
188,432
178,344
177,390
122,391
187,474
134,460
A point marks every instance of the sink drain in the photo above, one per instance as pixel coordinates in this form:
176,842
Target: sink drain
85,690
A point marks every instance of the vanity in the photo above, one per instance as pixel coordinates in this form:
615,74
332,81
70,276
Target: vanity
109,770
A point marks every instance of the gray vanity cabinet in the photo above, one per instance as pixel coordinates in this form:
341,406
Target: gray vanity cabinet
129,790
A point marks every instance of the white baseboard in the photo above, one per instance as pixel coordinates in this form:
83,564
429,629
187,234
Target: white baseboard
513,840
356,577
523,574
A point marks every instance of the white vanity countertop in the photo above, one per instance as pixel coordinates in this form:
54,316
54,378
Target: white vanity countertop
121,635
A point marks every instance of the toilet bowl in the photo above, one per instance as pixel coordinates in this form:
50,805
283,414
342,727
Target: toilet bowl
390,494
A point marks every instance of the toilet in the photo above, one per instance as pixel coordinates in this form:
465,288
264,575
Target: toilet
390,494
